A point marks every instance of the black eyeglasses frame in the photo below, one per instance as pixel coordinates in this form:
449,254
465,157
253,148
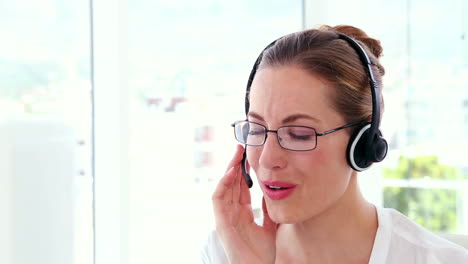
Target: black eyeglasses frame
277,137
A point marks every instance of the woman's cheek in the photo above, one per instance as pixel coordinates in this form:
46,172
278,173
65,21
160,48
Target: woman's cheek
253,155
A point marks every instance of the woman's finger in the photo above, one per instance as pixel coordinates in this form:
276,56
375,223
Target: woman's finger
224,188
237,157
244,191
236,189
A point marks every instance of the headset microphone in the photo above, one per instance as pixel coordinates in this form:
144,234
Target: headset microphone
247,177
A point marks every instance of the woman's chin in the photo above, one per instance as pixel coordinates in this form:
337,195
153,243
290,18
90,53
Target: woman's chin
282,217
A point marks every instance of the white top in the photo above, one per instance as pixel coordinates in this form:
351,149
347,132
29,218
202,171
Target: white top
398,240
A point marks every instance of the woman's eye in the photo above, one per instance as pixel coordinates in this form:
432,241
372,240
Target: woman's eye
255,132
300,137
301,134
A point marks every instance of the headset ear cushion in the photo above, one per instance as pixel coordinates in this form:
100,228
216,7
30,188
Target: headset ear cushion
380,148
356,150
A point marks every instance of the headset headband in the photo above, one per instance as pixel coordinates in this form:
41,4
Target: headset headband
375,121
252,75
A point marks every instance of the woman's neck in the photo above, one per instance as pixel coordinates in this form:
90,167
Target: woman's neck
346,231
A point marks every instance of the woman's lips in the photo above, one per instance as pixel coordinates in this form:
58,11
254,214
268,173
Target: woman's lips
277,190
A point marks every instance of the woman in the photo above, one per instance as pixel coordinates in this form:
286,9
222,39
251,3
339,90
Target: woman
313,110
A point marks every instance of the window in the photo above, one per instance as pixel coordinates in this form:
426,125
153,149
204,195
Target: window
425,85
188,67
45,132
169,78
427,181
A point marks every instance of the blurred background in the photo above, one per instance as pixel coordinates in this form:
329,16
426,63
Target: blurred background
115,118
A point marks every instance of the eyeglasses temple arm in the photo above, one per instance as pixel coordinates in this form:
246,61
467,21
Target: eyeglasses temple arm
338,128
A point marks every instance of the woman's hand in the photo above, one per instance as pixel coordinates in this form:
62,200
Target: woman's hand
244,241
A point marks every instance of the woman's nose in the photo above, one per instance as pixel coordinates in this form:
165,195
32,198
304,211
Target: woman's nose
272,155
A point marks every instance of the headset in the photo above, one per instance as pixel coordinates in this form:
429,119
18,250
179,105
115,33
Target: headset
366,144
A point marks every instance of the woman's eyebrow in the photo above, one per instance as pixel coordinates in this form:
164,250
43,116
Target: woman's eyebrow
288,119
255,115
295,117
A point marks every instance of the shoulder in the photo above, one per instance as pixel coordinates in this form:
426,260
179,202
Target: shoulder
409,242
213,251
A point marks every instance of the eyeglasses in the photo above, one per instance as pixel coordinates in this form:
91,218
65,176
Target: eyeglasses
296,138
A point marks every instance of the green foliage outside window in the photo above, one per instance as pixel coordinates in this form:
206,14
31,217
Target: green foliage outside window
432,208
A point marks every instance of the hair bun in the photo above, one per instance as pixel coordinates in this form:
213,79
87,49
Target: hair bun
372,44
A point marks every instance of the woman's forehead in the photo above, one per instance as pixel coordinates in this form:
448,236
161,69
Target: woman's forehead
290,87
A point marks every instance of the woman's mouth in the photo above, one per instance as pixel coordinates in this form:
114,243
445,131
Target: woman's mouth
276,190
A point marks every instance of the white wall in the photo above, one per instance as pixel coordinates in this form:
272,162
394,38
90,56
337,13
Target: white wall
37,193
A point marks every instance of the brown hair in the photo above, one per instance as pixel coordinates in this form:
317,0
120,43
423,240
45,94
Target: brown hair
320,52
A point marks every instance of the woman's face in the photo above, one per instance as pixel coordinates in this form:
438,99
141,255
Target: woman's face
288,95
